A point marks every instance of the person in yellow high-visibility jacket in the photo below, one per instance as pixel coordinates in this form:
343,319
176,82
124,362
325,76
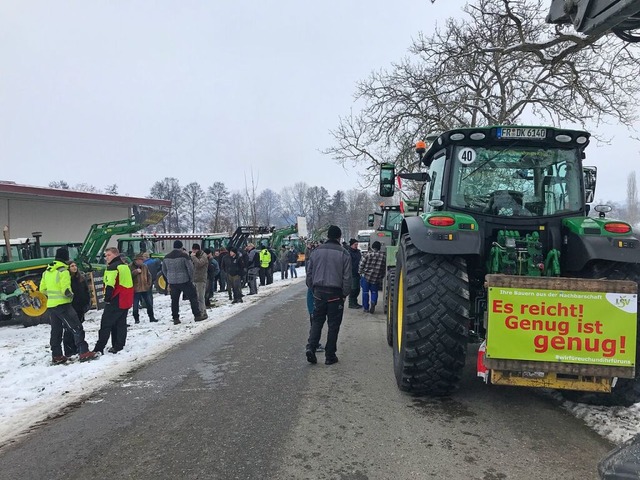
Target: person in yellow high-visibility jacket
56,285
118,297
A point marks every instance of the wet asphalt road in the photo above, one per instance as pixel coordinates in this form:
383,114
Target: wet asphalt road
241,402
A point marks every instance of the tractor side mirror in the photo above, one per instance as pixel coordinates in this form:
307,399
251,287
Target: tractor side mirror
371,218
387,178
589,174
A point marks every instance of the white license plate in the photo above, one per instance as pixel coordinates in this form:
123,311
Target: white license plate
513,132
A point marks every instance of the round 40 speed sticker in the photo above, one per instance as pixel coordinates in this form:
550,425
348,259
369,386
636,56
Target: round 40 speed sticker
467,156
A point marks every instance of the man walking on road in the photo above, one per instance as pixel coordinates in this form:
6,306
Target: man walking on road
177,268
372,271
329,275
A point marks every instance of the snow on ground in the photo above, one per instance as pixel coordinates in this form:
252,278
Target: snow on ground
32,390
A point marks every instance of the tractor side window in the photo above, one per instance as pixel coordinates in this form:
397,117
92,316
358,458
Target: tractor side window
436,172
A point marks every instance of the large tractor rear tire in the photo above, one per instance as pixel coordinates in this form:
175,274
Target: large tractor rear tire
431,311
389,307
162,286
627,390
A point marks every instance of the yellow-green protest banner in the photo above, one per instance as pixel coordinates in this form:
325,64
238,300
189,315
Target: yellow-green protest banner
596,328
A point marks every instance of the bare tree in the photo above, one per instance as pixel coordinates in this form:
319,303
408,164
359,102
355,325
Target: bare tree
359,205
86,187
239,209
318,201
111,189
268,207
294,202
61,184
501,65
169,189
194,201
219,201
632,216
250,191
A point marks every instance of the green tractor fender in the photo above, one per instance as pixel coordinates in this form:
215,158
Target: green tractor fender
458,236
582,249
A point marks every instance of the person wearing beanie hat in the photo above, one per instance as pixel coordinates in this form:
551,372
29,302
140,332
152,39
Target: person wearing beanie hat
329,276
234,267
177,269
334,233
356,256
62,254
56,285
371,271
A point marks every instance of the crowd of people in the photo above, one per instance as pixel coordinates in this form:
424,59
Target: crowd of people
335,272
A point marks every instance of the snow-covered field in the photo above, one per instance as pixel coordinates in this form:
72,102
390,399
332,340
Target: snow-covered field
32,390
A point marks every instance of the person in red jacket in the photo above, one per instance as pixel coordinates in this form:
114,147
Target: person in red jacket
118,297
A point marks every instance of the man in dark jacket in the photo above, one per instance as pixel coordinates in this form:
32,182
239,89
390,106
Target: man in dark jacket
234,267
253,268
329,275
356,256
222,276
177,268
213,270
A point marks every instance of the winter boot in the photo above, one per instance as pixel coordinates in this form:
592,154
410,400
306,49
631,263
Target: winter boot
136,317
372,308
59,360
86,356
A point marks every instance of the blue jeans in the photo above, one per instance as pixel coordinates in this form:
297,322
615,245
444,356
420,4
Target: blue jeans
366,289
292,270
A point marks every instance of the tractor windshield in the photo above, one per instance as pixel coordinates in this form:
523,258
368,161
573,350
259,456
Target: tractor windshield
390,219
521,181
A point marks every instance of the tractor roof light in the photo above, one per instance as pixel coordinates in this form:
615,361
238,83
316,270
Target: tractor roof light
454,137
421,147
603,208
441,221
617,227
563,138
477,136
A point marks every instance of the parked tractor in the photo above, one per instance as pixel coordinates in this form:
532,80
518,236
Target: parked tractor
19,280
505,253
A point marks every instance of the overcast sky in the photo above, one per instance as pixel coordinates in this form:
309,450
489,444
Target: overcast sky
129,92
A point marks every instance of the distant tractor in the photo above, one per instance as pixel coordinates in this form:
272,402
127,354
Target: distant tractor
505,253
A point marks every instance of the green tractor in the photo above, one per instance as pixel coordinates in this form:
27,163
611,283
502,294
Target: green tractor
387,233
19,280
506,254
